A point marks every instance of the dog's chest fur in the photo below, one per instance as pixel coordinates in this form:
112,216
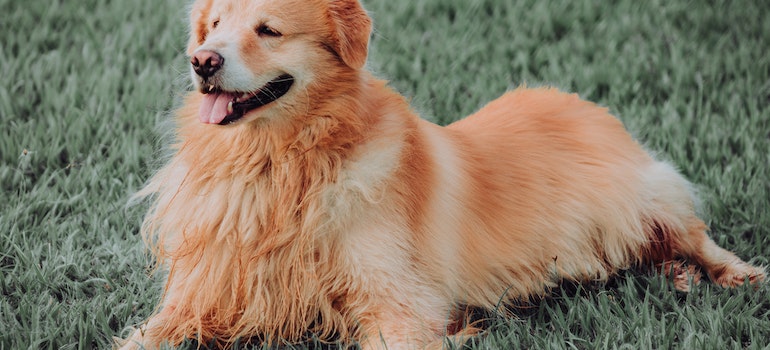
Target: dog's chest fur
261,228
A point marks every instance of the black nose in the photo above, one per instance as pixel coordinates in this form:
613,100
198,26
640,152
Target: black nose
206,63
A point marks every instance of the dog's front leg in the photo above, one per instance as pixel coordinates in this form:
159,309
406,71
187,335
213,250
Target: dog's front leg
393,335
395,327
134,342
146,336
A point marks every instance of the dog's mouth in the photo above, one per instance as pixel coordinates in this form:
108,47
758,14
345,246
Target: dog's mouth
226,107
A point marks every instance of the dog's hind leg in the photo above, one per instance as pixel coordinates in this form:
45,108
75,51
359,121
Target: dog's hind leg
675,233
670,251
722,266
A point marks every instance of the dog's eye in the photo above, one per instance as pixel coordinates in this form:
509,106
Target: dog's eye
215,23
264,30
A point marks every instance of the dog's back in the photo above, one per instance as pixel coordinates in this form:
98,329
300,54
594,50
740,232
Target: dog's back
550,188
556,188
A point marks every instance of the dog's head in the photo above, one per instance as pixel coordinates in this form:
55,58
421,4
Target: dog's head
248,56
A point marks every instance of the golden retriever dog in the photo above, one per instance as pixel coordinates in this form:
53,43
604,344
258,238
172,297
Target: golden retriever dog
304,196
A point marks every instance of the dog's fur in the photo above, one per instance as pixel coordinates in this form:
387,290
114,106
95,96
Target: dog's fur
335,210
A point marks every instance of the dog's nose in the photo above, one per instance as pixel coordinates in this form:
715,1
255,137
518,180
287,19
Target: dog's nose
206,63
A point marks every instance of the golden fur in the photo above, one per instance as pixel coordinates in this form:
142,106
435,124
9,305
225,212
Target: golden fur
336,210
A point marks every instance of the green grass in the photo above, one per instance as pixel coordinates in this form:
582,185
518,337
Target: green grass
86,83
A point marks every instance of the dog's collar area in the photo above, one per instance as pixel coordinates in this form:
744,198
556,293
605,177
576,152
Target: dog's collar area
273,90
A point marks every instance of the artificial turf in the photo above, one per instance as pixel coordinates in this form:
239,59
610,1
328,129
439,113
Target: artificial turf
86,85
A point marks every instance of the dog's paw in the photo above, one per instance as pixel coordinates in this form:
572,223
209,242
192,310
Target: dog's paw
736,274
683,275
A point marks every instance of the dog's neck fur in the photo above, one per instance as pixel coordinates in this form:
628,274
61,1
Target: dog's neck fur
278,238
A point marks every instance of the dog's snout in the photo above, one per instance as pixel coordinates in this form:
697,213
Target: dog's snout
206,63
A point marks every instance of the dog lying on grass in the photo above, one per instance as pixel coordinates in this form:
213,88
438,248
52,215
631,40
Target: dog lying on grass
305,196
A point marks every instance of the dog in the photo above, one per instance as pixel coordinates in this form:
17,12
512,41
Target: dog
304,196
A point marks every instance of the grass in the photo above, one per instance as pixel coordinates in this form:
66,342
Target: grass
87,82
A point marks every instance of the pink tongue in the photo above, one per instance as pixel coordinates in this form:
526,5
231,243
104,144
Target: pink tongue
214,107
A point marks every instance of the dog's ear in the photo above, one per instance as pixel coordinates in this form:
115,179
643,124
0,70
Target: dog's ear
351,33
199,27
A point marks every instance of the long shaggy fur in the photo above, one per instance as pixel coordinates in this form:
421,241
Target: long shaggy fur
335,210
